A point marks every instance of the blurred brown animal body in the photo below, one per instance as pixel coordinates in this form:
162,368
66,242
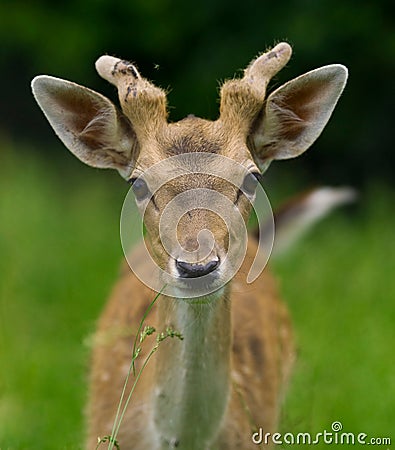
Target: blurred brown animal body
240,348
225,379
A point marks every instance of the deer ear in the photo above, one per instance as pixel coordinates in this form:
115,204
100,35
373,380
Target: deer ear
295,114
88,124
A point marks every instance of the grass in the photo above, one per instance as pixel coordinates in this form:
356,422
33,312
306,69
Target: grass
60,252
340,288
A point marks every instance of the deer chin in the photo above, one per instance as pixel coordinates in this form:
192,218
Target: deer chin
206,299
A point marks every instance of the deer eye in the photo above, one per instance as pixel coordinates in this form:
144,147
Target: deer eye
140,188
250,183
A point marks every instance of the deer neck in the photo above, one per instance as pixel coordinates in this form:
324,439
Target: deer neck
193,375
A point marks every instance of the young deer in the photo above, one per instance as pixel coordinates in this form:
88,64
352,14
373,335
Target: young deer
224,379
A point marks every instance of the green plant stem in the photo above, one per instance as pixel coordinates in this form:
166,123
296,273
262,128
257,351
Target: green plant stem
147,311
132,365
117,425
169,333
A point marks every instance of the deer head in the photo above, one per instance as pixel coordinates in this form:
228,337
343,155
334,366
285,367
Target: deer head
252,130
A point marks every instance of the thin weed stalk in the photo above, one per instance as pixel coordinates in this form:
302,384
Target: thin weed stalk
135,354
169,333
141,335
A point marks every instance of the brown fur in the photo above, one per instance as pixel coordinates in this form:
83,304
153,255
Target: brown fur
224,380
262,355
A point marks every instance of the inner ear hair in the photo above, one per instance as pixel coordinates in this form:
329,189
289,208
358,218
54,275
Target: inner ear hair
89,124
294,115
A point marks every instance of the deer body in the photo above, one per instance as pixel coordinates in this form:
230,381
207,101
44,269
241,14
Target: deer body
210,390
224,380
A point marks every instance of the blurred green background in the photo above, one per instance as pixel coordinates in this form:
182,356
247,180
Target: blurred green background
59,220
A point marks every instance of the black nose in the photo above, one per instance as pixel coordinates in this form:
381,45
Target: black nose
188,270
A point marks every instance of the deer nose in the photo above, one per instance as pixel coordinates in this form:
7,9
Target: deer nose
190,270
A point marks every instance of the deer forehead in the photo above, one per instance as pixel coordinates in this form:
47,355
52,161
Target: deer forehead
194,135
197,187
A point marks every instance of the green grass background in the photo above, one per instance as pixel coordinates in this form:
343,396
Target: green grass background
60,252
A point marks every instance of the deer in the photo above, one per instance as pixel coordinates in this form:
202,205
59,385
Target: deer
228,375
